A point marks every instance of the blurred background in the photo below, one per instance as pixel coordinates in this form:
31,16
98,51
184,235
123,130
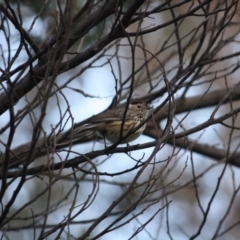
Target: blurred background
179,56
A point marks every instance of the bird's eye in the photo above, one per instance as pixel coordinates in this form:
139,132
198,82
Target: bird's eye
139,106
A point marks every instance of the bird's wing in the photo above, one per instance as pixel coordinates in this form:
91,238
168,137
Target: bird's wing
108,116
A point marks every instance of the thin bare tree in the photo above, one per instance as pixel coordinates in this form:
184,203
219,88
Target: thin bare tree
58,58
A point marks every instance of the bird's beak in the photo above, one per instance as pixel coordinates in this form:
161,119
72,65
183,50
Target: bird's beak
149,107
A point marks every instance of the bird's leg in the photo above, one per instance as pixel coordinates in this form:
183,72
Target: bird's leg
129,152
105,144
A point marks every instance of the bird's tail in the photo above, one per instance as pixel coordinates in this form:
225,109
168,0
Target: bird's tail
77,134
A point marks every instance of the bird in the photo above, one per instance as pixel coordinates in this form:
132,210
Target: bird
108,124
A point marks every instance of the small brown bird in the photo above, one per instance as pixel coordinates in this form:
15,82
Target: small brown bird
108,124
